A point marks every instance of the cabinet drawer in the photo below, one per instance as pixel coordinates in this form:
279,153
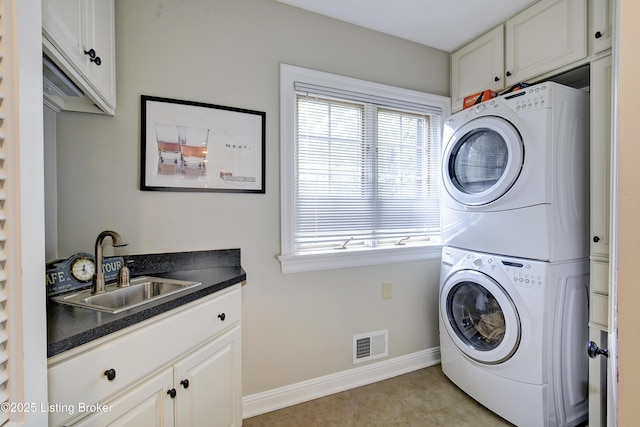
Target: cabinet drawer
599,277
599,310
81,379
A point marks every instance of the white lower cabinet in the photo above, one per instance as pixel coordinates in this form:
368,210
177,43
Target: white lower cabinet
206,384
198,390
183,369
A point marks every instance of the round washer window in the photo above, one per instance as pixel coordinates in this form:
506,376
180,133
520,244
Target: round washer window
476,316
479,316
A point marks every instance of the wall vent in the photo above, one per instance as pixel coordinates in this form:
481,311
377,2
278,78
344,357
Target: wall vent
372,345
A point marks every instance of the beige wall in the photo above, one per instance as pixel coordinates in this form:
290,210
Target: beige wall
628,218
227,52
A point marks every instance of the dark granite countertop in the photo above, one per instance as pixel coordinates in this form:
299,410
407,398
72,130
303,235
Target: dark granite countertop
69,327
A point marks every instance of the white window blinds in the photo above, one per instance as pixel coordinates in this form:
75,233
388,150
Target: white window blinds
366,170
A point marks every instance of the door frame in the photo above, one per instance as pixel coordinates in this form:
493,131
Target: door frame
612,334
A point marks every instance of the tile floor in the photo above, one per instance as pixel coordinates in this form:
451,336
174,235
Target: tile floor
423,398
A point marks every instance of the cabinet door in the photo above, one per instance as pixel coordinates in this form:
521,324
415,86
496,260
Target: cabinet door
546,36
75,34
99,35
146,405
601,101
213,395
62,24
600,25
601,98
477,66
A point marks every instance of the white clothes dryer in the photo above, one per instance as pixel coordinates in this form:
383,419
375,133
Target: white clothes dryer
513,334
515,175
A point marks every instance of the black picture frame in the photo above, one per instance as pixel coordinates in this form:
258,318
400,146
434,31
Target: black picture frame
196,146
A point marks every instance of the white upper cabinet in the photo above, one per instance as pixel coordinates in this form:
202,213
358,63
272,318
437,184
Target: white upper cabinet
79,37
549,37
600,25
545,37
478,66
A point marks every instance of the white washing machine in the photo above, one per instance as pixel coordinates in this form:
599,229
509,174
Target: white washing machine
515,172
513,334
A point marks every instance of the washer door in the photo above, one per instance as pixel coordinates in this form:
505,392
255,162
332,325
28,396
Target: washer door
482,160
480,317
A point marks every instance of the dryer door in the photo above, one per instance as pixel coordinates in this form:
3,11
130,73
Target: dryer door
480,317
482,160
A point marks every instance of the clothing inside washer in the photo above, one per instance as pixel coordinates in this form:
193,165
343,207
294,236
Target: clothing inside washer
476,316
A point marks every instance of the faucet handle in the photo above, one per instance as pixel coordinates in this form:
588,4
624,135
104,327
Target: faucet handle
124,276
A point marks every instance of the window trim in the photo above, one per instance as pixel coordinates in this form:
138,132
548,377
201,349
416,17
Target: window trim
354,257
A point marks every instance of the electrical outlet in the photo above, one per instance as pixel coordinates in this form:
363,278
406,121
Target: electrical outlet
386,290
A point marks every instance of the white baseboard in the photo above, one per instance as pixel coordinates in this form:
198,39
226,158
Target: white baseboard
304,391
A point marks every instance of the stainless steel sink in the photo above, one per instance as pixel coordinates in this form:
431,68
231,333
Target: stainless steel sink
142,290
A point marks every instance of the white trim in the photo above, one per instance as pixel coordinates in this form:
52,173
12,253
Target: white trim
304,391
298,263
612,335
25,241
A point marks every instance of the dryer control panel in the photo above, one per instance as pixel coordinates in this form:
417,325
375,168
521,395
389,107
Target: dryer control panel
529,98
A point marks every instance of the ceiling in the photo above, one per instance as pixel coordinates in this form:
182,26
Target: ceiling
443,24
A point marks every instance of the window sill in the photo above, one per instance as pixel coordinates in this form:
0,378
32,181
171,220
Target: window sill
297,263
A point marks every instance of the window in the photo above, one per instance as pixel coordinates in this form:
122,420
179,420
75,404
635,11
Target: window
360,171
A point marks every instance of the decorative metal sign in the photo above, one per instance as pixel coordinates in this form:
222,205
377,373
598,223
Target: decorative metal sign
76,272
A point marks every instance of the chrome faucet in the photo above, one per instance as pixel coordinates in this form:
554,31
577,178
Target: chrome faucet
116,241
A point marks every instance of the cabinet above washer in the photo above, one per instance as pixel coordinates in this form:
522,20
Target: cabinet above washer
79,39
478,66
545,37
548,38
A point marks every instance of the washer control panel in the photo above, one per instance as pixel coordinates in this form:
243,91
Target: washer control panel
520,272
528,274
523,273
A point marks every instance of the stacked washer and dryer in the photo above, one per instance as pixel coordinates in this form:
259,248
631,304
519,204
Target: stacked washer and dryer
515,271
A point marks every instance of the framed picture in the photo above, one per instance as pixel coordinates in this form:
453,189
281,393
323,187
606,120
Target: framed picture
193,146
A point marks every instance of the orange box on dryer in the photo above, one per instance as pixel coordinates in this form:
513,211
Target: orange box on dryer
477,98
